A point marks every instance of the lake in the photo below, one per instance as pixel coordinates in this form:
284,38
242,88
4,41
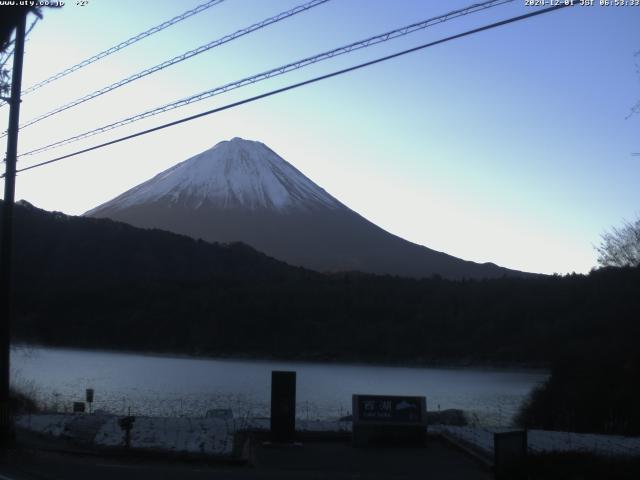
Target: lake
175,386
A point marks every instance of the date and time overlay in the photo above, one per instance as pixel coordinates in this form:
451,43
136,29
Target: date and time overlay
582,3
527,3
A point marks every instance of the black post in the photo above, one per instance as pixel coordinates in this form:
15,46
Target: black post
283,407
6,424
510,455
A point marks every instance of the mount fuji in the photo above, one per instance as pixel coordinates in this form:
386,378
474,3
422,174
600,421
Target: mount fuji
241,190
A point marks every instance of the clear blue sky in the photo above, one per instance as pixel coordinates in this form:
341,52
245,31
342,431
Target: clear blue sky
508,146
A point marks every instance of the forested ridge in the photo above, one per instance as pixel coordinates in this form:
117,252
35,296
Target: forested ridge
89,282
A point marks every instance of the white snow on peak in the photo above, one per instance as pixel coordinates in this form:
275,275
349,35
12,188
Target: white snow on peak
234,173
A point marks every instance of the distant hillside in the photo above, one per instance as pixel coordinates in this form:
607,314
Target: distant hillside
97,283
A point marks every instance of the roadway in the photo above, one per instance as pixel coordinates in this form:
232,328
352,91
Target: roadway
313,460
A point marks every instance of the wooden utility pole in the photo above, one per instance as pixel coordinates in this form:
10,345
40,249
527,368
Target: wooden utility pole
6,246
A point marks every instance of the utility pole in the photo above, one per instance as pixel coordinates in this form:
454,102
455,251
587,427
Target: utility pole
6,247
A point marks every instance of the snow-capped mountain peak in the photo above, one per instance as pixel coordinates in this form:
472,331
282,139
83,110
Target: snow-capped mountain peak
236,173
241,190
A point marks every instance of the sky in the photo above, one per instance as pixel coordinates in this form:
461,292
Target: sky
511,146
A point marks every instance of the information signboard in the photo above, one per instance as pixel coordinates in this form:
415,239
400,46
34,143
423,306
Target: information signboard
389,419
389,409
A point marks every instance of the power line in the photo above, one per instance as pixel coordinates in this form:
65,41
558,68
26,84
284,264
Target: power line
121,45
300,84
191,53
383,37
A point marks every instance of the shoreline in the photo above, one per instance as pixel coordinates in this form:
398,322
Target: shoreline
466,364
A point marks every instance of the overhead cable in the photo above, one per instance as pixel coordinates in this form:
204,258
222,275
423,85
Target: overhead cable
180,58
121,45
298,85
383,37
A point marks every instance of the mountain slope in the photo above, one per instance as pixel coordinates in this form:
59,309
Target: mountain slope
242,191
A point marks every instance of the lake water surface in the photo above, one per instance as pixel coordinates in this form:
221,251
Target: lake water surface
160,385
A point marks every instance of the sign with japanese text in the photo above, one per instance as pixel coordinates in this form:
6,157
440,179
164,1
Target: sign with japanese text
389,409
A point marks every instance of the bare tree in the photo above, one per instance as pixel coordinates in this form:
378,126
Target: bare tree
636,108
9,20
620,246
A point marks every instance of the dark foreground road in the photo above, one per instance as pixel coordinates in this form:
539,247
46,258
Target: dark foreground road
313,460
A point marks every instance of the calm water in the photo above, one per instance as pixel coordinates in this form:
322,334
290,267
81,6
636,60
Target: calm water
156,385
